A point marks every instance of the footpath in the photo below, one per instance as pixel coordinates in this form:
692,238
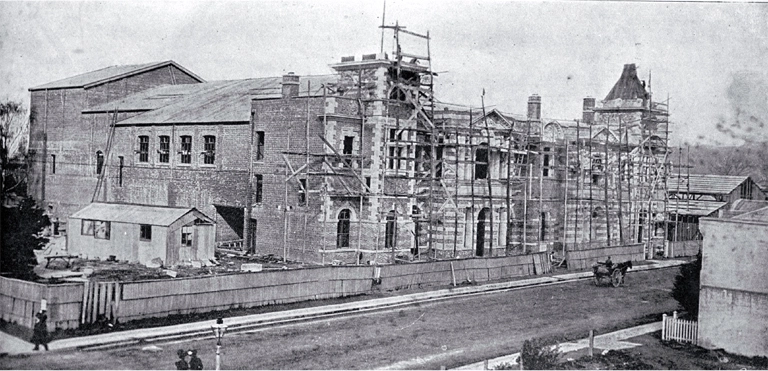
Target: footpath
12,345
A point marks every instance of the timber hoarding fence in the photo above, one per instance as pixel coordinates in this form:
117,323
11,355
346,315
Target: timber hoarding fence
673,328
584,255
73,304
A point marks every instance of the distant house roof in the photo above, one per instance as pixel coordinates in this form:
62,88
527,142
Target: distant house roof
708,184
107,74
694,207
742,206
218,101
628,86
136,214
759,215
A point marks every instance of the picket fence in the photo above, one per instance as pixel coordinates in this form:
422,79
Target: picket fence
681,330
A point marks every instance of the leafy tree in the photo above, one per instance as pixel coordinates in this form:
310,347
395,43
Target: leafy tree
686,288
21,227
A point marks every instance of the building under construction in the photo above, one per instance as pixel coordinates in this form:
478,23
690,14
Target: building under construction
363,165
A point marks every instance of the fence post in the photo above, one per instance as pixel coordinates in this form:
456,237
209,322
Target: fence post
664,326
591,342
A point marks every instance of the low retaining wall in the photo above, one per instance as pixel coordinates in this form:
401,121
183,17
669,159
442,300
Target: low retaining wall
584,258
683,248
21,300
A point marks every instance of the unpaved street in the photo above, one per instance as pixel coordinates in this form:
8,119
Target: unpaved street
444,333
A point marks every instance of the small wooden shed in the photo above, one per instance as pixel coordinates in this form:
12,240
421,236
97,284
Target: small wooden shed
141,233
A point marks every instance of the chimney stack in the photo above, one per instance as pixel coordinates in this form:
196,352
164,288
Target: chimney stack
588,113
290,85
534,107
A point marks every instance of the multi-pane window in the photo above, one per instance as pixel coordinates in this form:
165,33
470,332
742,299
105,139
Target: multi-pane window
546,163
143,148
258,188
396,150
86,227
145,232
186,149
165,149
342,229
209,156
259,145
186,236
481,162
101,229
390,234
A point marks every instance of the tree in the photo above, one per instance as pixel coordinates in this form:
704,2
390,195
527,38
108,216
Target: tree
686,288
13,138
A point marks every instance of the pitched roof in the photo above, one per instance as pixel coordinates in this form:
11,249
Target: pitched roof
742,206
628,86
220,101
107,74
707,184
694,207
135,214
759,215
154,98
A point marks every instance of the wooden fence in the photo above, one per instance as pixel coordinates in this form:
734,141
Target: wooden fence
70,305
673,328
676,249
582,257
21,300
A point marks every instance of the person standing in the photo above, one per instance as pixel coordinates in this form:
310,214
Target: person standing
40,331
181,364
195,363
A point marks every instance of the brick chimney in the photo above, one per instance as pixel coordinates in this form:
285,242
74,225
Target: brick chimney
290,85
588,113
534,107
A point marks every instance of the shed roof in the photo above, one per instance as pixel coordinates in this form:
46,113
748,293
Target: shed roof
708,184
136,214
694,207
759,215
218,101
110,73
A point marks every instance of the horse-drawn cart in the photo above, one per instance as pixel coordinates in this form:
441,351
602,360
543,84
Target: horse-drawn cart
614,273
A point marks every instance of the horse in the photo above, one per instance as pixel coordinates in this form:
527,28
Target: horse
615,274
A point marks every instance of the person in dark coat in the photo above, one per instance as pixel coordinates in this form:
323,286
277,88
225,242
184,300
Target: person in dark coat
40,331
181,364
195,363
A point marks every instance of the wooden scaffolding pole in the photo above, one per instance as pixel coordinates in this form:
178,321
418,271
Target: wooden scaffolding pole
488,174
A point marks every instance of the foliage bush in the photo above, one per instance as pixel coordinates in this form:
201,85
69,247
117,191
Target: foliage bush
686,288
21,227
535,355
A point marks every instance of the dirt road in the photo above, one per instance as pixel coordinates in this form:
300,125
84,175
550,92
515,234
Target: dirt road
446,333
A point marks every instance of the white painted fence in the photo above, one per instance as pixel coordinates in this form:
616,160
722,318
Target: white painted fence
680,330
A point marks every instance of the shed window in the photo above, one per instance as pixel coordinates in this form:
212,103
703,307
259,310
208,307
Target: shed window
186,236
101,229
259,145
143,148
186,149
210,149
165,149
145,233
86,227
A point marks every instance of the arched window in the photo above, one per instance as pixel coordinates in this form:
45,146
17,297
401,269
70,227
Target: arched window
342,229
390,238
99,162
481,162
416,229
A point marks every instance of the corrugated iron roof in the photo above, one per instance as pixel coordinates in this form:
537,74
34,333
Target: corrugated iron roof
628,86
135,214
224,101
153,98
693,207
742,206
706,183
106,74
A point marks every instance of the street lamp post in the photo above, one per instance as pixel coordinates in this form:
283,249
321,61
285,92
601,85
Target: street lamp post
218,330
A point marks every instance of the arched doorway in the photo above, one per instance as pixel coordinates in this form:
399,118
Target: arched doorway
481,224
342,229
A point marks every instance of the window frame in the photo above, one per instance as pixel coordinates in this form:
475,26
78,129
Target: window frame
143,150
258,191
209,150
145,232
86,231
187,235
164,149
107,230
343,229
259,150
185,157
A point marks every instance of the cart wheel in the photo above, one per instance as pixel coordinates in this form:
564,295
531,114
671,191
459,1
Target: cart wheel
616,278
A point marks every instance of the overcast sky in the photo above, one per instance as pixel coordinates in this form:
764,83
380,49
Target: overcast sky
709,58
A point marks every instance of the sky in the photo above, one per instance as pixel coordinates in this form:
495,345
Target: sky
709,59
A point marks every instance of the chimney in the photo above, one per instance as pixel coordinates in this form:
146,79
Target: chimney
534,107
290,85
588,113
